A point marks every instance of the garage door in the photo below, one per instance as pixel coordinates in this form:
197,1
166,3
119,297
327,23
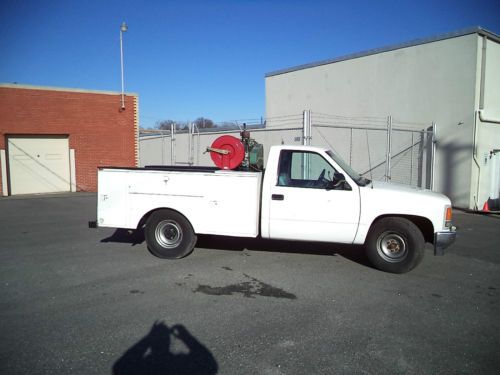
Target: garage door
38,165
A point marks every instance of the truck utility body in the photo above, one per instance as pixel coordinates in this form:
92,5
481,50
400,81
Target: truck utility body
306,193
215,201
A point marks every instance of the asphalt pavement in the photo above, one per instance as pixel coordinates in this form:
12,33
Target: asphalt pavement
94,301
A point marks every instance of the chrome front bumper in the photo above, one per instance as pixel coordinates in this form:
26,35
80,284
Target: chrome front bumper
444,239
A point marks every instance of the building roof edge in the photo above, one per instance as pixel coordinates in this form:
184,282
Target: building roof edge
415,42
63,89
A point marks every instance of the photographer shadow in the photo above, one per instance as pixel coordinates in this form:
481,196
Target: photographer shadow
153,354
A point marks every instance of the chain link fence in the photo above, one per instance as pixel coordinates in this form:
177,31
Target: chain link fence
379,148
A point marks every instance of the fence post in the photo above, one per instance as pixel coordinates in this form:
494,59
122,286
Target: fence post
425,157
172,144
350,149
433,153
197,144
389,149
190,144
411,159
306,141
162,148
306,128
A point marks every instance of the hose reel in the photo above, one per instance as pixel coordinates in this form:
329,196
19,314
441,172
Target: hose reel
228,152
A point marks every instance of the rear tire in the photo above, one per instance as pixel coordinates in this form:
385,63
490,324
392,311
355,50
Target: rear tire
395,245
169,235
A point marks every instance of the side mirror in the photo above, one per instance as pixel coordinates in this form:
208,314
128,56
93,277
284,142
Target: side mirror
338,183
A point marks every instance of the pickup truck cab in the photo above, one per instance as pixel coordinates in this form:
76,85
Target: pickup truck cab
305,194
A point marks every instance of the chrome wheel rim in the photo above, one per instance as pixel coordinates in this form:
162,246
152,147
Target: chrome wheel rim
168,234
392,247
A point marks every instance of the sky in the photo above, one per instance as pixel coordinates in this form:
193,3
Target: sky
188,59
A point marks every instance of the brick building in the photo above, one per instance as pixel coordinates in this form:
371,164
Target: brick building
53,139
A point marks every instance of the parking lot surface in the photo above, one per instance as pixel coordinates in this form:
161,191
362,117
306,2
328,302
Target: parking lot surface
94,301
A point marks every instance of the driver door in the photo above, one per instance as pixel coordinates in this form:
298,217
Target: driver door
303,204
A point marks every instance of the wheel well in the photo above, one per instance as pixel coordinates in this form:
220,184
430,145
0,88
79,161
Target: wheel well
146,216
424,224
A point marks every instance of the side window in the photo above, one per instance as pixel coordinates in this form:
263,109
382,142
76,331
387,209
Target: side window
304,169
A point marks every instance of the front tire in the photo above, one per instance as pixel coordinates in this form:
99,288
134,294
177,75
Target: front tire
169,235
395,245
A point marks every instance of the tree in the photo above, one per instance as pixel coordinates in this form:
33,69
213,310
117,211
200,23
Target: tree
167,125
200,122
204,123
164,124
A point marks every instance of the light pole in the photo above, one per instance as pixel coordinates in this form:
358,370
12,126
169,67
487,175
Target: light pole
123,29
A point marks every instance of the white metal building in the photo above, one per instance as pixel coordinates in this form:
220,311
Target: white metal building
451,80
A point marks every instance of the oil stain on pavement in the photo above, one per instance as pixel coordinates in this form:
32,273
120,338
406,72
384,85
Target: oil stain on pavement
251,288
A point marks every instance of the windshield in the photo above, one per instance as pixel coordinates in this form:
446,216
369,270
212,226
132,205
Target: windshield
361,181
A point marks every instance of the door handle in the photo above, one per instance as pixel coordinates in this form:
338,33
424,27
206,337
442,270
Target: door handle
277,197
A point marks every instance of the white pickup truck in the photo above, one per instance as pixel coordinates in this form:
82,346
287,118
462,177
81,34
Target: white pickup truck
306,194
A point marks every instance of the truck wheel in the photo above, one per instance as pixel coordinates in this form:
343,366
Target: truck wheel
169,235
395,245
